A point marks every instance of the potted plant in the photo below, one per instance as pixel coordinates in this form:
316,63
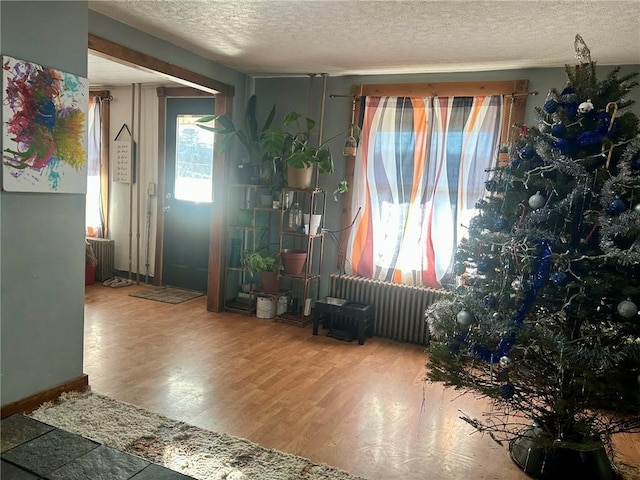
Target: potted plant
292,150
266,265
250,137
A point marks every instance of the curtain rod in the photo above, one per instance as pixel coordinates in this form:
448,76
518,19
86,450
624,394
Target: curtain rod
356,97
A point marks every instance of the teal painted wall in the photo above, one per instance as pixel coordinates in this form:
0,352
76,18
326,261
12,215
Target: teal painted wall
42,235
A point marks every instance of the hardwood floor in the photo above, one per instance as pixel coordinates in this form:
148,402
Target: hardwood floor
364,409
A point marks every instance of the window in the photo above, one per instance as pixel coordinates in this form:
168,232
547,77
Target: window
419,170
194,160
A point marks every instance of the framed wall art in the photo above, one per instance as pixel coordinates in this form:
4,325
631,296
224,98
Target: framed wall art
44,129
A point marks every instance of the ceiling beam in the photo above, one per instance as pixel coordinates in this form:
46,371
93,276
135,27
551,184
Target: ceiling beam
113,51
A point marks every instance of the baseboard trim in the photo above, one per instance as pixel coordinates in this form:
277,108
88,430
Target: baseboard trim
30,403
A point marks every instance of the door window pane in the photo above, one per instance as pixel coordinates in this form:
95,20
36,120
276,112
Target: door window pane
194,161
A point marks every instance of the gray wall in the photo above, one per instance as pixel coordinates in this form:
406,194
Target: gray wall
42,235
293,94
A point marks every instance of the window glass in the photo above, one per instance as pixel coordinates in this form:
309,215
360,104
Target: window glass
194,161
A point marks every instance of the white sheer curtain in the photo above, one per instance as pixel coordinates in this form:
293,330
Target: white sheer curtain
94,217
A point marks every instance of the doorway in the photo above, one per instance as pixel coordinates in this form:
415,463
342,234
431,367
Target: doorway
188,194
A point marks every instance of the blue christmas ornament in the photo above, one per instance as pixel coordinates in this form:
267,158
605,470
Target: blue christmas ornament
559,279
527,152
490,301
550,106
568,90
565,146
635,163
615,207
484,265
507,391
558,130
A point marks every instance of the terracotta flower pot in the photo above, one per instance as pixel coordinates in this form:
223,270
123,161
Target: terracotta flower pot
269,282
293,261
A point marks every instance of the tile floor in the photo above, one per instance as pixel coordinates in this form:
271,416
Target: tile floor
33,450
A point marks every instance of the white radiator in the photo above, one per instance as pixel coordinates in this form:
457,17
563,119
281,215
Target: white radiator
104,250
398,309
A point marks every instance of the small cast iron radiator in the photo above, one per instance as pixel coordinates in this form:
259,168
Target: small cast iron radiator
399,309
104,250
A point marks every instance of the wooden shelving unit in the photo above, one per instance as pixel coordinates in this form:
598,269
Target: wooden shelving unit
304,287
250,224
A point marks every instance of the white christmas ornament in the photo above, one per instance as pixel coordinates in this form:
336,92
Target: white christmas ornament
585,107
636,208
627,309
505,362
536,201
464,318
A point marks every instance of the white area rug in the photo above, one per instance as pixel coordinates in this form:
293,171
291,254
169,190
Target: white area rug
176,445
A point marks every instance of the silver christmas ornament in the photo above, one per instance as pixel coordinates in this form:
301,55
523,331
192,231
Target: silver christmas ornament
536,201
464,318
636,208
627,309
585,107
505,362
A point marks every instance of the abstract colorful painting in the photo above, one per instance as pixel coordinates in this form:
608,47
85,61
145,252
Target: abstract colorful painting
44,127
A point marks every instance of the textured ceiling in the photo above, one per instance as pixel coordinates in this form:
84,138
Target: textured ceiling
288,37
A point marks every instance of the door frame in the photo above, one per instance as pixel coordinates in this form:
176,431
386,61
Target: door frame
197,85
215,294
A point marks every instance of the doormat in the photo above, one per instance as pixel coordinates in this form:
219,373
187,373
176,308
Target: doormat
167,294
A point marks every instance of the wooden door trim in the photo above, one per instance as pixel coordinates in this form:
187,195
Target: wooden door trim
196,85
219,212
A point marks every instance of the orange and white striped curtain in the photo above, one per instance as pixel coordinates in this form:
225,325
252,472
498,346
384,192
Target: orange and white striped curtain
420,169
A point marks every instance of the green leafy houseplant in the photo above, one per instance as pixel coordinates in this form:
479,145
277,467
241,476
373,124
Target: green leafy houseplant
255,262
266,265
293,149
250,136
